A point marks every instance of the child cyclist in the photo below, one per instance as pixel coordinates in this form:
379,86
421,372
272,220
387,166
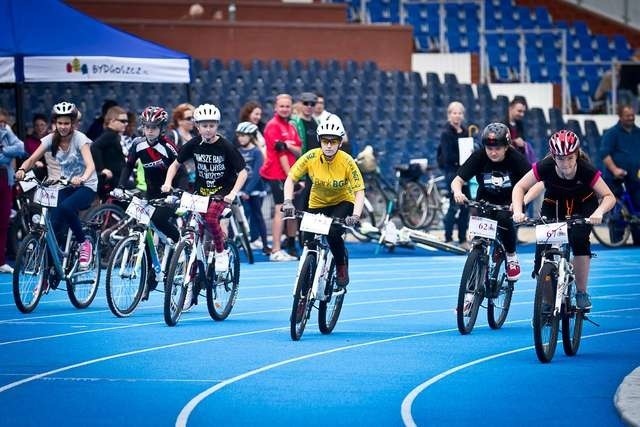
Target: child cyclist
497,167
337,188
572,186
71,149
155,152
220,171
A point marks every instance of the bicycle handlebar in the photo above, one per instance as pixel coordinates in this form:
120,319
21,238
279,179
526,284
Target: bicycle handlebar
545,220
486,206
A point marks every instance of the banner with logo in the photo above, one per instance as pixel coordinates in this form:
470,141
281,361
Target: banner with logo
7,73
105,68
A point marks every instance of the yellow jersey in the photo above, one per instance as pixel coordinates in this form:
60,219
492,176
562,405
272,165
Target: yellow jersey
332,182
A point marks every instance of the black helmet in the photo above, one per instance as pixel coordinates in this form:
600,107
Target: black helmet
496,135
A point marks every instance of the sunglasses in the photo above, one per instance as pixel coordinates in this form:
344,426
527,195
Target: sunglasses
187,118
125,121
330,141
309,103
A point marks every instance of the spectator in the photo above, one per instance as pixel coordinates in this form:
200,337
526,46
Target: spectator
305,123
97,127
449,162
182,130
252,112
283,146
107,151
32,142
252,193
621,157
10,148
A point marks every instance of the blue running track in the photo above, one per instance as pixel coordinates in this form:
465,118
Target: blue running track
395,357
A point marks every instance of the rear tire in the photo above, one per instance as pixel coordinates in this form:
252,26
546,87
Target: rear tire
413,205
302,303
572,320
29,272
107,216
471,291
545,324
614,231
123,293
178,278
222,289
329,310
498,307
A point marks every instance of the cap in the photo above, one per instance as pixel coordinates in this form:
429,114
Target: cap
308,97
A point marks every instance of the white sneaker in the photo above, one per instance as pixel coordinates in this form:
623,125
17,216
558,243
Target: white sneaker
222,261
256,244
281,256
6,268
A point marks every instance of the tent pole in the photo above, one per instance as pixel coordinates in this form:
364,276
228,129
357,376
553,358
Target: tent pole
20,123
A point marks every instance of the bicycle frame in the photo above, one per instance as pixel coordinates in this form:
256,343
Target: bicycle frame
60,257
558,256
324,258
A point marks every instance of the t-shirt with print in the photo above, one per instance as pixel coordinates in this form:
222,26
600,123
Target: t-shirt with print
71,161
495,179
331,182
217,164
580,188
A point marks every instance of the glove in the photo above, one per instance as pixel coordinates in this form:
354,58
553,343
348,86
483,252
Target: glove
118,193
288,210
352,220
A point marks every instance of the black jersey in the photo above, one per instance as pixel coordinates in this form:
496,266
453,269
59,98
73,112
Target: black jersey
155,160
495,179
217,164
579,188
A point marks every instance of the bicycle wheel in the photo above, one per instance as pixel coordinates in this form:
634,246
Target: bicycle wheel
329,310
222,288
302,303
178,279
107,217
545,324
433,205
125,283
242,241
376,196
82,286
471,291
615,229
29,272
571,325
413,205
501,292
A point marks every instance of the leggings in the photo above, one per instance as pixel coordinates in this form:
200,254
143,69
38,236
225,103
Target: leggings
71,200
212,218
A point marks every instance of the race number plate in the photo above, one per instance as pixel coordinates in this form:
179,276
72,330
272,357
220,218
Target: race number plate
553,234
315,223
28,184
47,196
482,227
194,203
140,210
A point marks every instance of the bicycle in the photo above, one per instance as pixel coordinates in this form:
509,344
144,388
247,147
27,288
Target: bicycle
110,216
615,229
435,199
41,263
192,268
26,210
240,229
316,278
484,273
129,279
555,292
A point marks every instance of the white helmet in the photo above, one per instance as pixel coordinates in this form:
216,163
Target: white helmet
206,113
247,128
64,109
331,126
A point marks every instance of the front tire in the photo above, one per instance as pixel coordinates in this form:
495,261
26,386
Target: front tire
222,289
500,297
124,285
545,323
82,286
29,272
329,310
302,303
572,320
614,231
178,279
471,291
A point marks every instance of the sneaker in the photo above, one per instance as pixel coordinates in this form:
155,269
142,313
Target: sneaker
513,271
342,275
256,244
464,245
6,268
583,300
281,256
86,254
222,261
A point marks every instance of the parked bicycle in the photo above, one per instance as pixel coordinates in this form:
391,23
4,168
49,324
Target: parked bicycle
316,278
484,274
192,268
555,296
239,229
110,216
26,210
129,279
615,229
41,264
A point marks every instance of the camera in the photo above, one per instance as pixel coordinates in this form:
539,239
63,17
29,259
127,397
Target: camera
281,146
